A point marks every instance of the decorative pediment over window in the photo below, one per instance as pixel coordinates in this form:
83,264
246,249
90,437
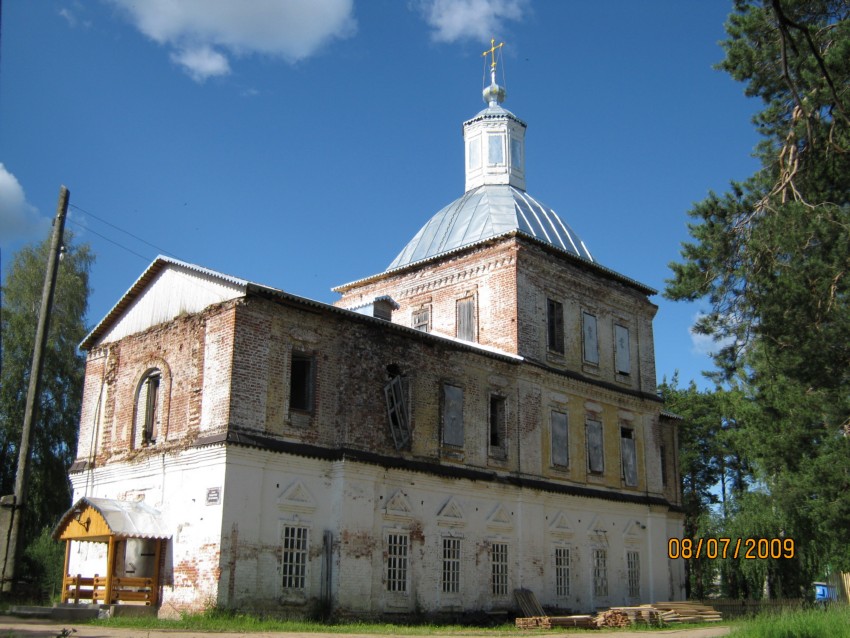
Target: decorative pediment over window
500,518
560,526
451,514
296,498
398,507
634,532
597,531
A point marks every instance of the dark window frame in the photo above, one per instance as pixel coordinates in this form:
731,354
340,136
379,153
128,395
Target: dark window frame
555,337
497,420
302,382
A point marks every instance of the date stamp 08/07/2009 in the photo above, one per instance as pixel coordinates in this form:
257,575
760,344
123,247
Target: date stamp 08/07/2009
743,548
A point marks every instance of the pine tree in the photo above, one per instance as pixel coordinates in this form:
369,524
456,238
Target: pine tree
772,259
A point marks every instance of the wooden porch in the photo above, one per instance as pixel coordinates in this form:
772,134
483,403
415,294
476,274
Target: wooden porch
116,524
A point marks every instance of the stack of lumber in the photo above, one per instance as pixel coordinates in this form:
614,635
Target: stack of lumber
551,622
645,614
613,618
531,622
581,621
673,612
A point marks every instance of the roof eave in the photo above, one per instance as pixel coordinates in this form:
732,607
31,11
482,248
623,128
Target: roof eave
613,274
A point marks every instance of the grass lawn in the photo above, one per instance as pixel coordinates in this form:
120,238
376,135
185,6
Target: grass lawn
229,622
810,623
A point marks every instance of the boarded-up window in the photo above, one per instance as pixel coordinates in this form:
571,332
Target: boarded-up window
466,320
591,344
594,447
555,325
629,458
497,423
560,439
398,412
301,382
622,356
452,415
422,319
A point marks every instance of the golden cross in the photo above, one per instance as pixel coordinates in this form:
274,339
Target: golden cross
492,52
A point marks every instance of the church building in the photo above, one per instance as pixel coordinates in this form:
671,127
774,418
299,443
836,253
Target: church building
478,418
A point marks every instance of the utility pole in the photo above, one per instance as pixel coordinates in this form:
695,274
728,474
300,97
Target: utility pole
12,530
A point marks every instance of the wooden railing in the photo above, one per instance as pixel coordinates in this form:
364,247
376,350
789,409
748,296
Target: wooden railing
124,589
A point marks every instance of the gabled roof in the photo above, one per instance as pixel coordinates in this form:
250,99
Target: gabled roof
96,519
145,279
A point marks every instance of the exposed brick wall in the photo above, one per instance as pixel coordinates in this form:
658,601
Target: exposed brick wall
487,272
178,349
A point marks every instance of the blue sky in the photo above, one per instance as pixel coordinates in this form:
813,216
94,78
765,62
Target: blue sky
301,144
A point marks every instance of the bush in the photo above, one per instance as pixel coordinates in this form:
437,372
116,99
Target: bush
42,564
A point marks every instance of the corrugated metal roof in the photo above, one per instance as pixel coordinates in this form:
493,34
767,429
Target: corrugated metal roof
139,285
126,519
486,212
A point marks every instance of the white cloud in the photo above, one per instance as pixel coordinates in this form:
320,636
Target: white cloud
202,62
19,220
706,345
478,19
201,32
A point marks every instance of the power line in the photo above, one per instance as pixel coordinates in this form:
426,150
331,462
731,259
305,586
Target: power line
111,241
126,232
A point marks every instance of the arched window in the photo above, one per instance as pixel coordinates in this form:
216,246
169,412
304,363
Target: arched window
148,408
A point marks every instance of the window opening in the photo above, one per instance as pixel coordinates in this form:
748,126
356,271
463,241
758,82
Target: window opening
560,439
663,466
629,457
622,356
600,572
555,325
397,546
452,415
294,558
301,382
562,572
148,409
591,344
499,569
633,568
398,411
595,459
451,565
497,421
422,319
496,150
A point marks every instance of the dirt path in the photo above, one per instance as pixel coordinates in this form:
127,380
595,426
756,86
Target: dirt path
23,628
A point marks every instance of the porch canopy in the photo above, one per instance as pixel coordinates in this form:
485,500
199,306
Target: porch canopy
104,520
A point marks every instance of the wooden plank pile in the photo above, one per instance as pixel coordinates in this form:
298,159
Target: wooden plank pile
655,614
682,611
613,618
552,622
643,615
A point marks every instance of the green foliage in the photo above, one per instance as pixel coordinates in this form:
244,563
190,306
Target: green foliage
43,561
772,259
812,623
55,432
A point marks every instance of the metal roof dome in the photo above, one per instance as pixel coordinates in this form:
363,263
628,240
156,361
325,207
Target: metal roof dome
486,212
